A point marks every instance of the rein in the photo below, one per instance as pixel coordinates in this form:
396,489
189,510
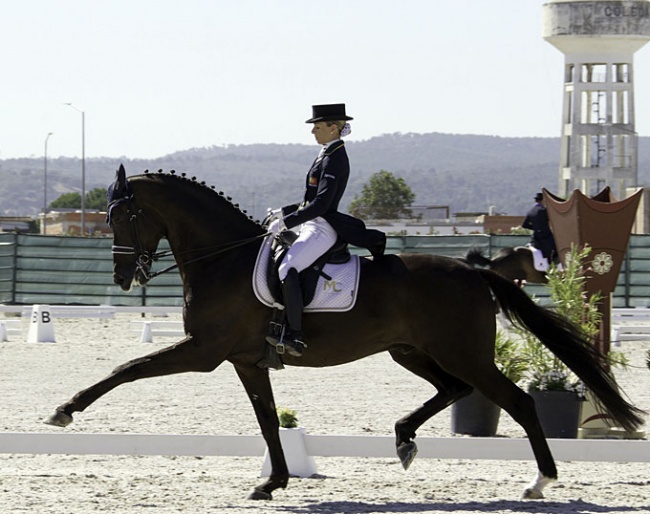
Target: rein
223,248
145,258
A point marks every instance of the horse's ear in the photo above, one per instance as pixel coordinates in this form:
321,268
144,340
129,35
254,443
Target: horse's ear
121,185
120,178
119,188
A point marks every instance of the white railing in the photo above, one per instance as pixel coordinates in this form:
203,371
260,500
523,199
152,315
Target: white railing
41,327
78,311
630,324
491,448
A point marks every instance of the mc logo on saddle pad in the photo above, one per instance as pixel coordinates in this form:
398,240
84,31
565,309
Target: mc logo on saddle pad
336,293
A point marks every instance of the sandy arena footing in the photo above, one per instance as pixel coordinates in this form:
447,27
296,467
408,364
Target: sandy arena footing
362,398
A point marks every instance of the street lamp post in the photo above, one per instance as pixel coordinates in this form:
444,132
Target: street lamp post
83,166
45,185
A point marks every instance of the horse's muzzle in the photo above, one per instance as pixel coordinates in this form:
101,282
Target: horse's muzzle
124,283
128,281
128,276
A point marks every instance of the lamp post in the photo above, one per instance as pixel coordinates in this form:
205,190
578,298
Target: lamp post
83,166
45,185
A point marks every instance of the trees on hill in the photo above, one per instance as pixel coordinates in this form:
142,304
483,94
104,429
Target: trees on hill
384,196
95,200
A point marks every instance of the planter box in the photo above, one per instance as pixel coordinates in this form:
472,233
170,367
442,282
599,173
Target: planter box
295,452
475,415
558,412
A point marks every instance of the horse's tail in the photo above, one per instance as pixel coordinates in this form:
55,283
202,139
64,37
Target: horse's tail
475,257
565,340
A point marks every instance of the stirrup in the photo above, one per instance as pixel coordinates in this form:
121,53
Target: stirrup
275,333
293,347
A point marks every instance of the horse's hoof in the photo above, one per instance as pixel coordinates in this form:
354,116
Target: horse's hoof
532,494
406,453
535,488
59,419
256,494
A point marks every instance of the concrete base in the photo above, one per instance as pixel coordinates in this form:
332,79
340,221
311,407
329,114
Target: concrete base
595,425
295,451
609,433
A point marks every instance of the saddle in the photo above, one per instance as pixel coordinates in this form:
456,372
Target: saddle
338,254
338,293
540,263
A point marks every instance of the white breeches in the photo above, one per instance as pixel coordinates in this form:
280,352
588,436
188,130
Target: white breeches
315,237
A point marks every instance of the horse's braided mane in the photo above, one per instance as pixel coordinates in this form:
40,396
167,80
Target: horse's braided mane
218,194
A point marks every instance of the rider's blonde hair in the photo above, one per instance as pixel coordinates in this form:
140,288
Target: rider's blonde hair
339,124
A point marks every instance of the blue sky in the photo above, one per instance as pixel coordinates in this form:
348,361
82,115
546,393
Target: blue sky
158,76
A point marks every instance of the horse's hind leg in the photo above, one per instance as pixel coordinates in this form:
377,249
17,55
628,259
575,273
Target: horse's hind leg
521,407
449,389
186,355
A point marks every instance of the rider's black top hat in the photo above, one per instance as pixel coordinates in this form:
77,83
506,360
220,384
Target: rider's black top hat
328,112
539,197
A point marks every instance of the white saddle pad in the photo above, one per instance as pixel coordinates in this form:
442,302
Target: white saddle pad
539,261
336,295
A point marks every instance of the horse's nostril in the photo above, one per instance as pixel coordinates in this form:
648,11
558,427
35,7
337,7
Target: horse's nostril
118,279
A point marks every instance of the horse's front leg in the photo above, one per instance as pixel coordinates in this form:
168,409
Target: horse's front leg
186,355
258,387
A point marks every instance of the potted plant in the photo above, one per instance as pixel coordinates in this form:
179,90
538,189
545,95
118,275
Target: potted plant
288,418
475,415
557,391
299,462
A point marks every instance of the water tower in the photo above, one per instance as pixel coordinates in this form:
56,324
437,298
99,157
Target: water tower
598,140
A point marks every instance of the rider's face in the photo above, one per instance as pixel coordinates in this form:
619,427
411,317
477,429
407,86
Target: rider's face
324,133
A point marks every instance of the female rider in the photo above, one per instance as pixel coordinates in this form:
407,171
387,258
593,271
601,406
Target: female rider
317,220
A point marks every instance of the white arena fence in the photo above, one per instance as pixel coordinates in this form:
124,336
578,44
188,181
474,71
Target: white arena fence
483,448
41,327
627,324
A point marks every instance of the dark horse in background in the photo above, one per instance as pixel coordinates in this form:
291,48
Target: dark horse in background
516,264
434,315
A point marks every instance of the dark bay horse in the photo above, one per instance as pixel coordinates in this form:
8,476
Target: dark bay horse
513,263
434,315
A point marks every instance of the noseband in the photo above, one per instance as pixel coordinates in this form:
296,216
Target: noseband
144,259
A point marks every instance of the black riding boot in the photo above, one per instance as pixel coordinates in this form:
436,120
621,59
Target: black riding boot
291,341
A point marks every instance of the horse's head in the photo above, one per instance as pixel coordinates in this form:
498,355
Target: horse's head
135,236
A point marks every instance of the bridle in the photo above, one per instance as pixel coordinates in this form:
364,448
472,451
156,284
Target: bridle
144,258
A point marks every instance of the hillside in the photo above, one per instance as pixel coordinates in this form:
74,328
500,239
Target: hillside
469,173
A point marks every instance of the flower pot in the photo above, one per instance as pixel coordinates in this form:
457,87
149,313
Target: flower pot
558,412
475,415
